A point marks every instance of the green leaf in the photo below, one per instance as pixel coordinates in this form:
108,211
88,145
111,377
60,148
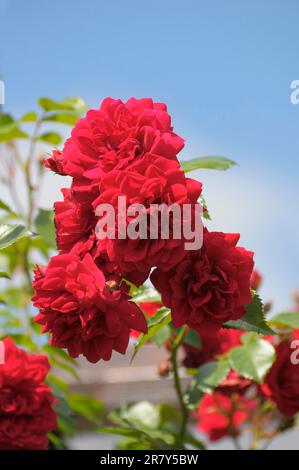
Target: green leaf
9,129
209,163
162,336
29,117
253,320
286,319
209,376
52,138
205,214
156,323
4,275
44,223
149,294
9,234
254,358
189,439
118,431
6,208
85,406
75,104
143,417
138,433
63,118
192,338
60,353
56,441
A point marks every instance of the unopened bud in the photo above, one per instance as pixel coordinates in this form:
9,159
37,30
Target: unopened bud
163,368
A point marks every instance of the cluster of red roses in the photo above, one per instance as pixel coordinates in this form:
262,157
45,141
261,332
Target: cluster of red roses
129,149
26,413
236,399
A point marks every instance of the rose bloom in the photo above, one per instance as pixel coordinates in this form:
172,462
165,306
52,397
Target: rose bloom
282,381
209,286
220,416
74,220
148,181
26,413
114,136
211,347
84,311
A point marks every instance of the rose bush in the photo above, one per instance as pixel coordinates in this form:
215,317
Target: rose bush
94,297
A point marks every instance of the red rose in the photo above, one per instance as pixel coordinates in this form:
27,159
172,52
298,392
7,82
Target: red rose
74,220
116,135
282,381
152,180
220,416
55,162
26,413
210,286
84,312
211,347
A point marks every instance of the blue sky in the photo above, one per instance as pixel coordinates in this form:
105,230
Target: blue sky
223,67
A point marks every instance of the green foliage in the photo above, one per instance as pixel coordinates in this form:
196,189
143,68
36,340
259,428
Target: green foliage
5,207
253,320
29,117
73,104
52,138
254,358
9,129
208,377
9,234
44,223
145,294
192,339
286,319
145,425
206,214
63,118
208,163
155,325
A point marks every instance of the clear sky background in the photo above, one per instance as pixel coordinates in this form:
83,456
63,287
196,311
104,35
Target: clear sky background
224,68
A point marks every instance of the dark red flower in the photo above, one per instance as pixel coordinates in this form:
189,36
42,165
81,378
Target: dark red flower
152,180
83,310
220,416
26,413
282,381
116,135
210,286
